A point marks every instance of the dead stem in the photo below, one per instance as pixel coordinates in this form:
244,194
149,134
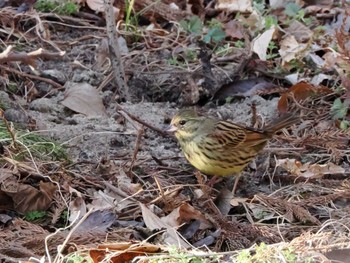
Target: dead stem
136,149
163,133
49,81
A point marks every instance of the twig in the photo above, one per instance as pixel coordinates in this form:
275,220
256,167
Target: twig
9,129
163,133
60,249
114,51
120,192
51,82
210,83
254,114
8,56
136,150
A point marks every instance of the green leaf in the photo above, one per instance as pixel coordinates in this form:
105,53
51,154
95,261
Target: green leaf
292,9
239,44
337,104
270,21
214,34
339,109
193,25
184,24
33,215
344,125
196,25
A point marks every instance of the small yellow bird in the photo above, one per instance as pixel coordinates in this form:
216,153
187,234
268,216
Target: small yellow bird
221,148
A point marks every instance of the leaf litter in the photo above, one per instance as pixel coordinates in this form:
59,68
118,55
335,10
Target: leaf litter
126,192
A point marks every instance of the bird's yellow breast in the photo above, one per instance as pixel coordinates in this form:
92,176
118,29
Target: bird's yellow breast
212,163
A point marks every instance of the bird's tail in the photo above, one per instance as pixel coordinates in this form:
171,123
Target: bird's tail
284,121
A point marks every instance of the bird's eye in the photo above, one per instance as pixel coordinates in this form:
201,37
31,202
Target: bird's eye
182,122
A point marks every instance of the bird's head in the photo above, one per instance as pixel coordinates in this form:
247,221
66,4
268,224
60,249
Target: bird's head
185,124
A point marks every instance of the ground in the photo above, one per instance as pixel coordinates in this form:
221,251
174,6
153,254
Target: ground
291,201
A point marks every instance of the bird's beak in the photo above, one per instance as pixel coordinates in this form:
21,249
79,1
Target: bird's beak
171,128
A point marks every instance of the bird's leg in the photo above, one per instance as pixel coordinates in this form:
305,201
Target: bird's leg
214,180
236,183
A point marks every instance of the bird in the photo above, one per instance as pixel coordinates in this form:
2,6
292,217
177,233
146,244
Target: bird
218,147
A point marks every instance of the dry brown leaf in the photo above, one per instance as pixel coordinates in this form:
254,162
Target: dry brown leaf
127,251
222,201
5,173
77,209
290,49
238,200
274,4
185,213
85,99
308,170
6,202
98,221
196,7
26,198
131,246
301,32
245,88
98,7
261,43
243,6
234,29
299,92
102,200
153,222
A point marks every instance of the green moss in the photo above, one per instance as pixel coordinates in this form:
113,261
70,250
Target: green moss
30,143
65,8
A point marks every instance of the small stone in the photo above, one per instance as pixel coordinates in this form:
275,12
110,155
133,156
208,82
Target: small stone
43,105
55,75
16,116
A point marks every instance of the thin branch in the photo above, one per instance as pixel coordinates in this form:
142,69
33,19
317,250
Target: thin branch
162,132
114,51
49,81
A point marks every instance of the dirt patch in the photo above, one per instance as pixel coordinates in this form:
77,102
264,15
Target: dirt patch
137,179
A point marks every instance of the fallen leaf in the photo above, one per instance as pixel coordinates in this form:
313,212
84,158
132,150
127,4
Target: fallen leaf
153,222
261,43
85,99
132,246
5,218
97,221
238,200
77,209
309,170
299,92
244,88
5,173
102,200
243,6
27,198
293,78
300,32
234,29
319,62
290,49
274,4
317,79
223,200
98,7
183,214
127,251
6,202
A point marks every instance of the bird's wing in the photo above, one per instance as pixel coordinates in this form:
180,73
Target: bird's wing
229,136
